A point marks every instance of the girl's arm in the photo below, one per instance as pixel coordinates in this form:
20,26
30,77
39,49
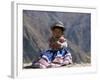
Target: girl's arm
53,44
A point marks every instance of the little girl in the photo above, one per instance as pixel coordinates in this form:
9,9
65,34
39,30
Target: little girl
58,53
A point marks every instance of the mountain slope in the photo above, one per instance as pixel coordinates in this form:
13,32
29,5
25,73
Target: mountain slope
36,31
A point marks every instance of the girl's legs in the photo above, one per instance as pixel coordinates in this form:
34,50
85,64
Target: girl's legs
67,59
45,60
58,58
63,57
43,63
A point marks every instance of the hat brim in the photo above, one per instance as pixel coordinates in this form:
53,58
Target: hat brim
60,27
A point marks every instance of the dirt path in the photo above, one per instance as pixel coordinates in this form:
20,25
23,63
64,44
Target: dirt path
71,65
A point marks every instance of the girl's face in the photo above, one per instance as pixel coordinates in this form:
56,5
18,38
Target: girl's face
57,32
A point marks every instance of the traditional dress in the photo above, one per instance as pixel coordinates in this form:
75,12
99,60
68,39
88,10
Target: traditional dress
57,54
